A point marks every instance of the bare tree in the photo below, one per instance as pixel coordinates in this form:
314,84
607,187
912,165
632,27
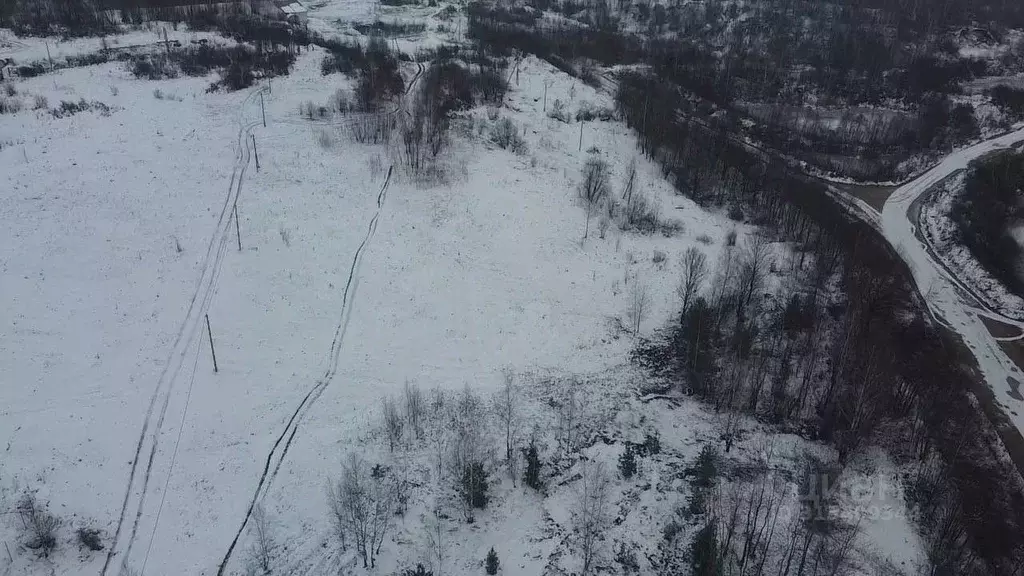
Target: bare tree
590,514
437,540
393,423
506,406
639,302
263,550
695,272
361,506
570,413
594,186
755,265
466,426
629,185
414,408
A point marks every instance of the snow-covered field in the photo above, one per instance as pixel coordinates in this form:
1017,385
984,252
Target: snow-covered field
118,242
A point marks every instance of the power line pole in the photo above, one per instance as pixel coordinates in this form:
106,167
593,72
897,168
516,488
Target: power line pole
212,352
255,153
581,135
263,110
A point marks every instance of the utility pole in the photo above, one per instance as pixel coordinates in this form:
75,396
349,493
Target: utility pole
212,352
238,232
581,135
48,57
263,110
255,153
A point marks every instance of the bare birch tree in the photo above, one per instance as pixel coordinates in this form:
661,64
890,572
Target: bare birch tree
263,550
506,406
639,302
590,514
361,507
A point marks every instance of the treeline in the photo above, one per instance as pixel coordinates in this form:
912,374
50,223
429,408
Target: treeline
782,53
841,353
986,212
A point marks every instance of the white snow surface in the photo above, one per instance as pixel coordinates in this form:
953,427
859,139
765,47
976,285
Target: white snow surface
113,225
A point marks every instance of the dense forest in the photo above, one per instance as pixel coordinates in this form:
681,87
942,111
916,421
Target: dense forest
986,212
849,87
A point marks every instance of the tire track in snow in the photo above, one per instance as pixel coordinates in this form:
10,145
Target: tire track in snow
314,393
135,493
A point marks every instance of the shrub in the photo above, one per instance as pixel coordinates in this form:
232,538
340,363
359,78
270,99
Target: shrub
658,257
10,89
704,239
730,238
418,571
31,70
558,112
41,526
393,28
640,214
627,463
474,485
90,538
491,563
40,103
736,213
373,128
70,108
325,138
9,105
652,443
505,134
626,557
531,474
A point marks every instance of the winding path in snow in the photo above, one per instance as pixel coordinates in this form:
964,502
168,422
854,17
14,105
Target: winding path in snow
942,290
146,451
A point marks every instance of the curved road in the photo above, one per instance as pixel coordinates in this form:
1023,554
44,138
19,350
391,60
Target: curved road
940,289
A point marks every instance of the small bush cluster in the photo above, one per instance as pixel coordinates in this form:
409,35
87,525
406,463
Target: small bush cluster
9,105
393,28
239,66
559,112
505,134
40,525
588,112
640,214
70,108
627,462
373,127
90,538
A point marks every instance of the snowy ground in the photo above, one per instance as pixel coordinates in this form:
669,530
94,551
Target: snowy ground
108,223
